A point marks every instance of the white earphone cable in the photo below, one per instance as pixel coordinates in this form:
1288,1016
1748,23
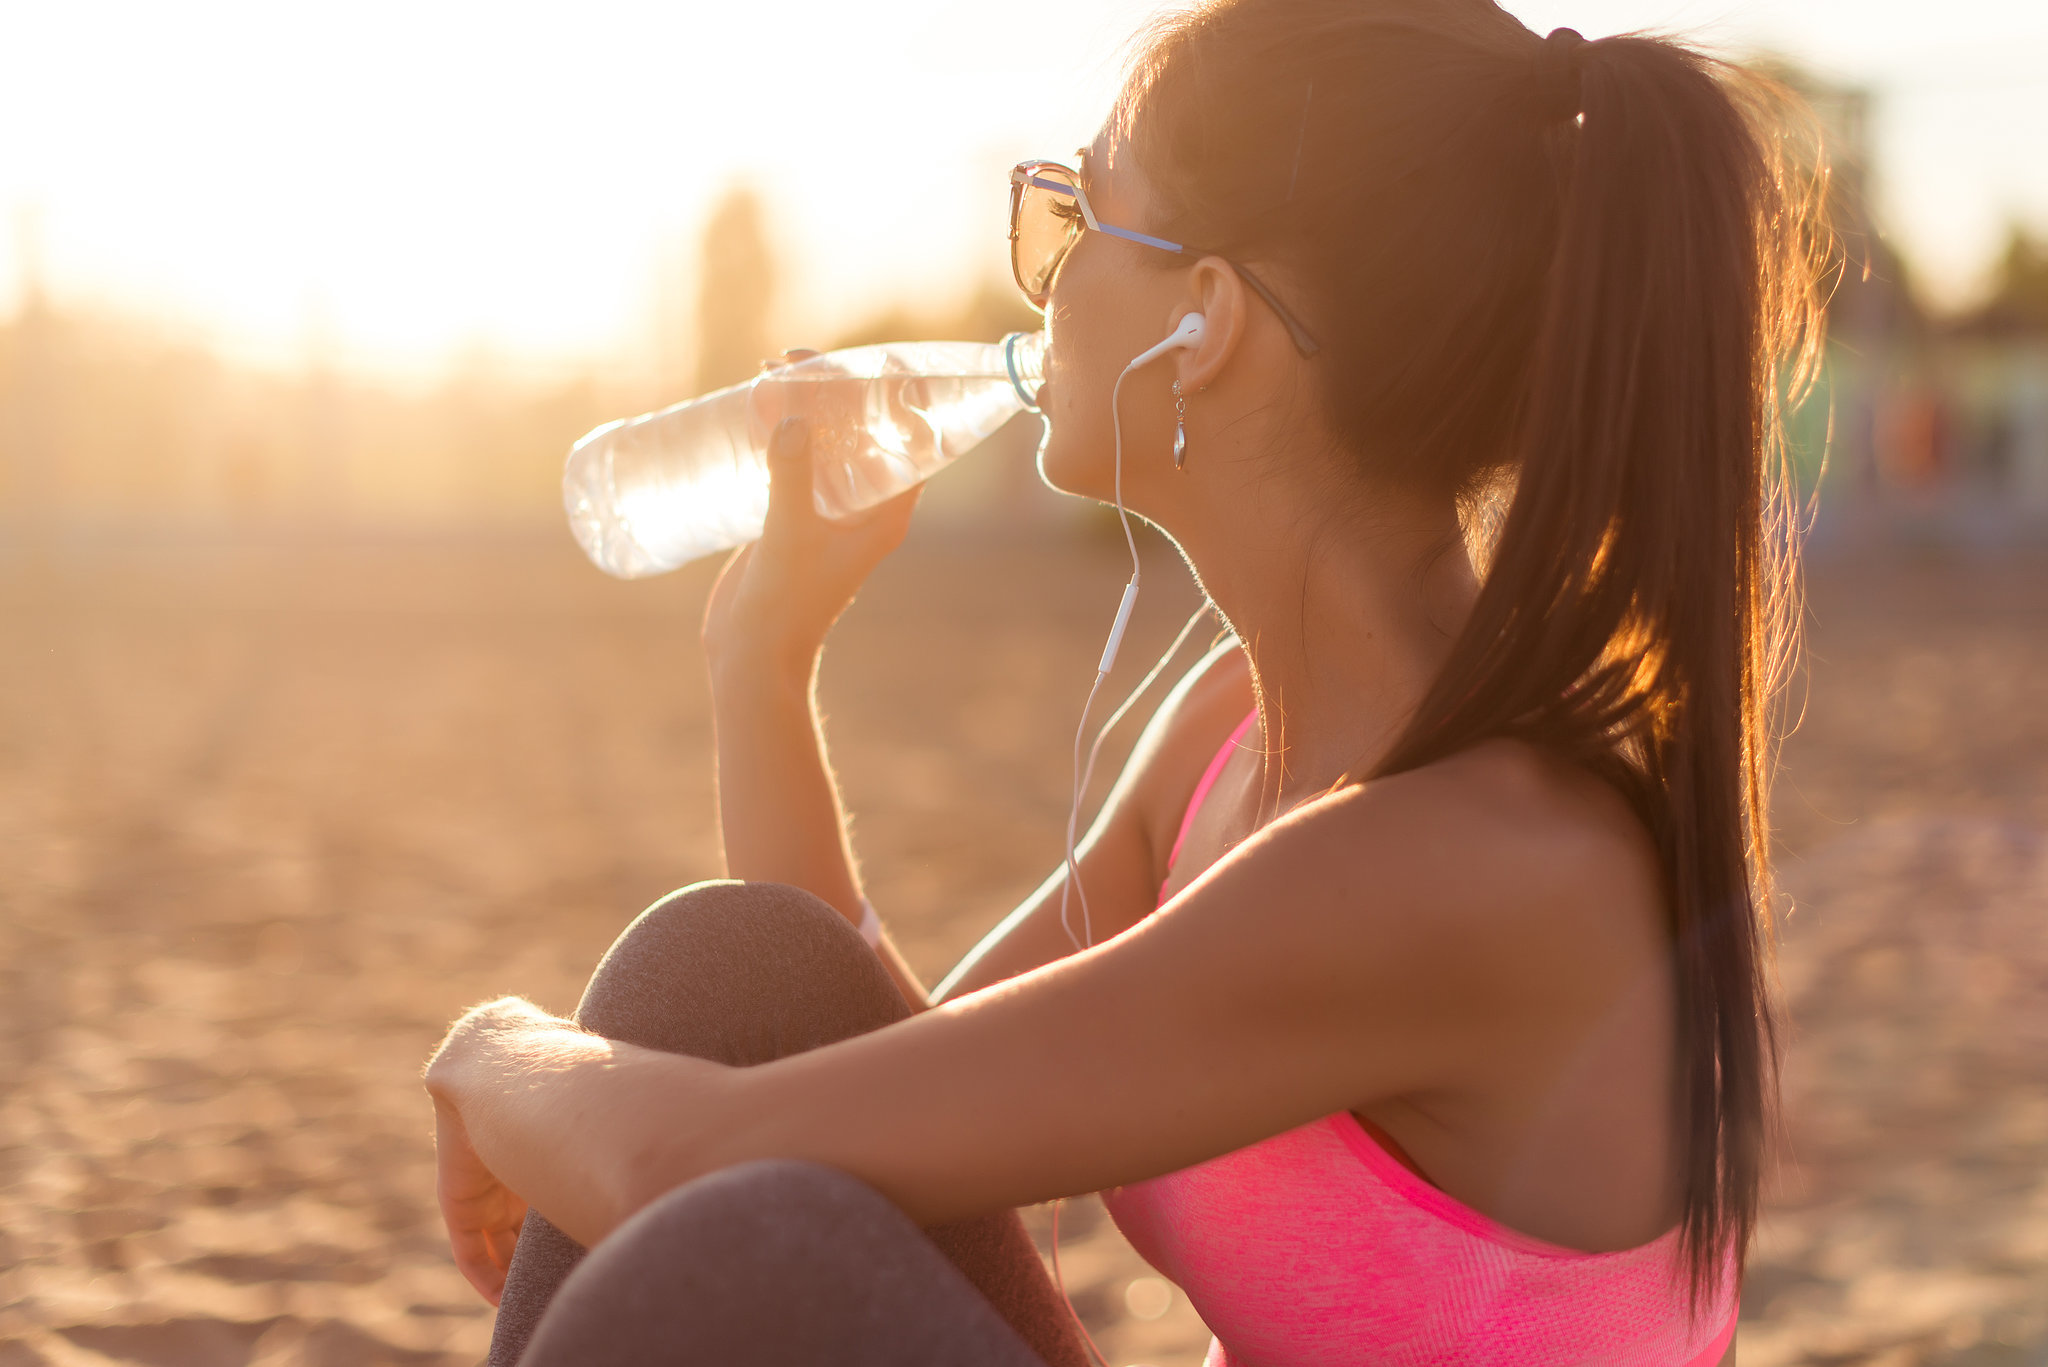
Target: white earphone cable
1123,617
1086,773
1071,884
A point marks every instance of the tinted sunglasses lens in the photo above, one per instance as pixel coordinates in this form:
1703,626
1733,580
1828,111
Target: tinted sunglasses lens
1048,219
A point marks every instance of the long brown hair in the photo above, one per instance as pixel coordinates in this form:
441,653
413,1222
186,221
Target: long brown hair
1585,272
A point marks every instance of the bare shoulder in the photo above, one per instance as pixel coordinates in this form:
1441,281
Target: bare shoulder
1549,819
1502,856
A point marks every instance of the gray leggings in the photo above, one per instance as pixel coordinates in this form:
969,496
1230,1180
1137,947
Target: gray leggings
775,1261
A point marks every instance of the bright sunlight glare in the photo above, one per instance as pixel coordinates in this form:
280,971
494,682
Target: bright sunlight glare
396,184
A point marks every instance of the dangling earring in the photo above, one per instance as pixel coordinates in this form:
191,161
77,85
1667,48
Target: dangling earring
1180,427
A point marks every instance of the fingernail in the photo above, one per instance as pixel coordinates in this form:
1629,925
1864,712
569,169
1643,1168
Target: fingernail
792,428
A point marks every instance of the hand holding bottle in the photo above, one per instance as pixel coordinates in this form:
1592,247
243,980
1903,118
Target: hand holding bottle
647,494
780,817
777,597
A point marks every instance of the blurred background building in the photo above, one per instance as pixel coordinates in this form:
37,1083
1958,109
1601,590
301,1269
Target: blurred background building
1926,425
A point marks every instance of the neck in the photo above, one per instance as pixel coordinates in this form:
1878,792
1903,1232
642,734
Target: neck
1345,620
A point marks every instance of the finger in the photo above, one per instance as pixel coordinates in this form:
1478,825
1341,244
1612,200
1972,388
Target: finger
891,514
788,358
896,503
501,1244
733,567
789,474
472,1259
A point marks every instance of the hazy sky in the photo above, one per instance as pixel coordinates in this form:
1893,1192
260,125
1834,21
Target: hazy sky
403,181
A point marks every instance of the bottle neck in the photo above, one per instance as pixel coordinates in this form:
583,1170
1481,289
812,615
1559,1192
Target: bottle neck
1024,361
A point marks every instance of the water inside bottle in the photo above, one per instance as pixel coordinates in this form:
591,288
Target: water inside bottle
879,422
650,493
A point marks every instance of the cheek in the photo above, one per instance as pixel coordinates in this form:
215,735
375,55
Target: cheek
1075,454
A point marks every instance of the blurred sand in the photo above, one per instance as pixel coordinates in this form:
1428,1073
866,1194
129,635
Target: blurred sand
269,817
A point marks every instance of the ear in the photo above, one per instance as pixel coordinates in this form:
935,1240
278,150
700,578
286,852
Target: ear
1219,294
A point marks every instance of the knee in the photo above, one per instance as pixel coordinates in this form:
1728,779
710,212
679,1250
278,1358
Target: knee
738,971
704,916
769,1261
774,1221
762,1213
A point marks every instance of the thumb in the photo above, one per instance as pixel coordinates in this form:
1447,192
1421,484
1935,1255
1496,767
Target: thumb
789,474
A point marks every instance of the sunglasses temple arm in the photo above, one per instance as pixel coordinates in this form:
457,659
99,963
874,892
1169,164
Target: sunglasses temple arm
1305,344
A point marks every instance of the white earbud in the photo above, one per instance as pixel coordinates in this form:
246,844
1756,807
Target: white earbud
1187,334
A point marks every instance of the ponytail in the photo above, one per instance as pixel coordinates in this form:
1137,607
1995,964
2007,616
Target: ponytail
1586,272
1631,615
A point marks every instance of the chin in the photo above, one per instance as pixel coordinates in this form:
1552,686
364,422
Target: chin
1075,456
1062,469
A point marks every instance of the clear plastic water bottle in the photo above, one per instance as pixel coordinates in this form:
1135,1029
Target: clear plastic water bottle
648,494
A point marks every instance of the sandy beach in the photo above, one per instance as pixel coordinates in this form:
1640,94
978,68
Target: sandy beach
270,816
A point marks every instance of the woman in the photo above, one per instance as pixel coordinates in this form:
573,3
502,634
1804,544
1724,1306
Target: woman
1427,1019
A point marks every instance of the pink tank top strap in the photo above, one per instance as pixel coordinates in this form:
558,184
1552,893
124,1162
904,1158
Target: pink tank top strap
1209,781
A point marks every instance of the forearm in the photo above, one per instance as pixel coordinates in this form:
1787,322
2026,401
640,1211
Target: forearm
1256,1003
780,815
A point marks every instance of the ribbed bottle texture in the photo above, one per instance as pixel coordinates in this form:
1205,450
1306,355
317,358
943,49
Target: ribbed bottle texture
651,493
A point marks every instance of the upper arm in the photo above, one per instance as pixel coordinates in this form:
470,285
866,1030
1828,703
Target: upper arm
1351,950
1122,858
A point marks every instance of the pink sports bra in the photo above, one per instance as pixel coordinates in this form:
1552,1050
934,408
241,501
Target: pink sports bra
1319,1247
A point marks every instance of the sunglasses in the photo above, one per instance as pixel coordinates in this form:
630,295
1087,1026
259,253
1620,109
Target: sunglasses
1048,213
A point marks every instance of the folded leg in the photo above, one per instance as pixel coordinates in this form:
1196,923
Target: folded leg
775,1263
744,973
